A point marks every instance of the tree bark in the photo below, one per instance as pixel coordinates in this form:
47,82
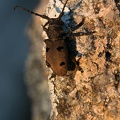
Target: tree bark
92,90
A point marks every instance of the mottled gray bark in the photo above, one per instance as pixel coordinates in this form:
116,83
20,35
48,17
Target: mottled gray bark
92,90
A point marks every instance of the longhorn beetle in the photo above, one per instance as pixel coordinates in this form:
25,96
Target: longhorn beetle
56,48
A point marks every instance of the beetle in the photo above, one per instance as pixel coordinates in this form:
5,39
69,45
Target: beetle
56,48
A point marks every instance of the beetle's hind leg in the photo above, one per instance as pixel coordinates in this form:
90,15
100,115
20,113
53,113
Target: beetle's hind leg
53,76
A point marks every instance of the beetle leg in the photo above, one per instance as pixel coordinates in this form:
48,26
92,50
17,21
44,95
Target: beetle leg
70,34
45,24
81,33
78,25
44,28
48,64
53,76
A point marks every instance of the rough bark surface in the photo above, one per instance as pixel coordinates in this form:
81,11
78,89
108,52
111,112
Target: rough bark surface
92,90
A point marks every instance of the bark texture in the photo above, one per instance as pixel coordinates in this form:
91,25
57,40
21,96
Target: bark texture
92,90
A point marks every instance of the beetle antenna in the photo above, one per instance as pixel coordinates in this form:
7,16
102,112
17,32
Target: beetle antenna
43,16
61,14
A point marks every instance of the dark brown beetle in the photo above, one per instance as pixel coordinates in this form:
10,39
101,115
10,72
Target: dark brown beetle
56,49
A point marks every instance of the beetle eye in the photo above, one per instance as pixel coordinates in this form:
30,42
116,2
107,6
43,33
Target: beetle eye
47,49
62,63
60,48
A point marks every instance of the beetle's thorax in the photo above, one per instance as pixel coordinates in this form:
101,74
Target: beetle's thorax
55,31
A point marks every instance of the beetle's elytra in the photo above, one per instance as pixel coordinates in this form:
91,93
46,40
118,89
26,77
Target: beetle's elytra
56,49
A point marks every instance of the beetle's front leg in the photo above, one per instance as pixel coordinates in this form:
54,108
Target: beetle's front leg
44,28
78,25
45,24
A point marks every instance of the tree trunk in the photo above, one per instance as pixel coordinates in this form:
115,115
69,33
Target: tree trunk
91,91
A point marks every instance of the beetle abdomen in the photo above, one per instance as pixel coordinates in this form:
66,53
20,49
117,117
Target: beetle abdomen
57,56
